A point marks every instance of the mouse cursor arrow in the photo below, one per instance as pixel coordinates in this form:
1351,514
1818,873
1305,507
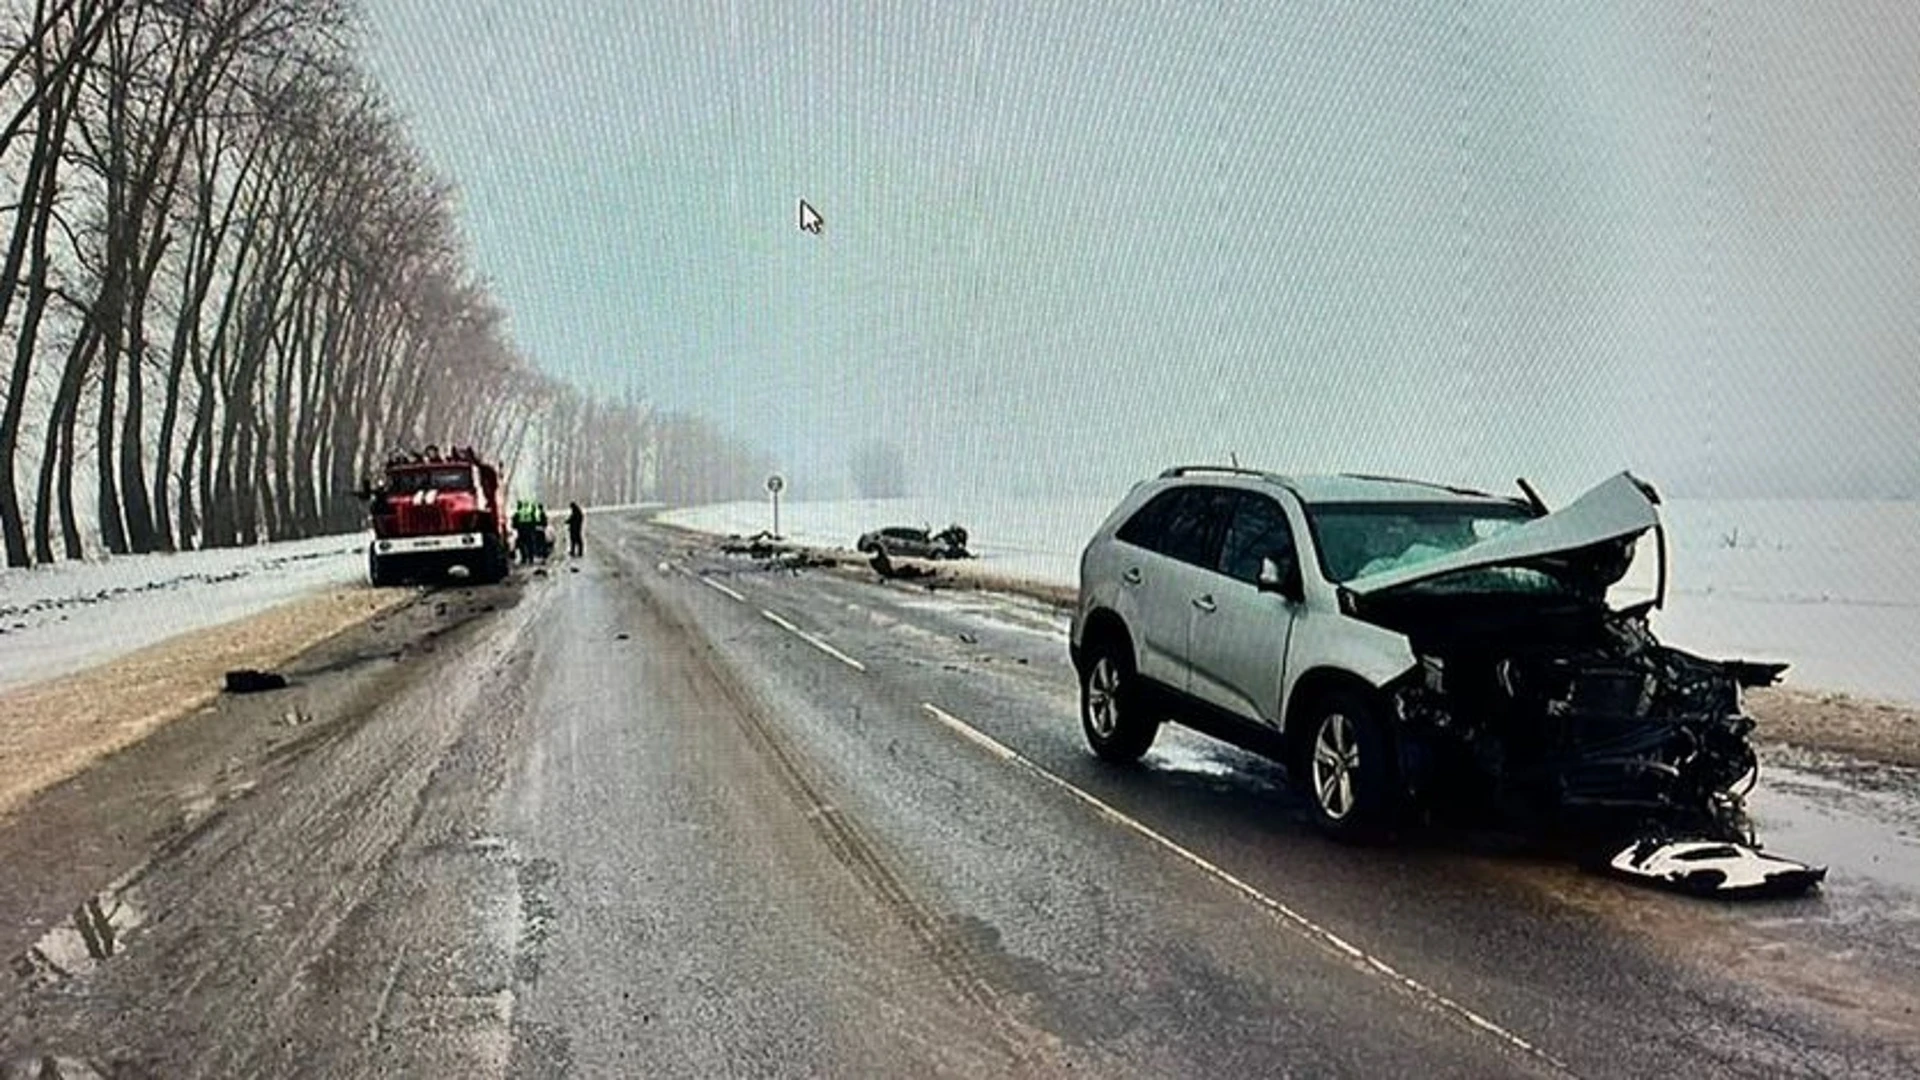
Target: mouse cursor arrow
810,219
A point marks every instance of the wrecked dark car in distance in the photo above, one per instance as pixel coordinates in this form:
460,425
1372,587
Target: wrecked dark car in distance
1410,648
915,542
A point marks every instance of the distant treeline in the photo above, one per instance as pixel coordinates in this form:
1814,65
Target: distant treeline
231,286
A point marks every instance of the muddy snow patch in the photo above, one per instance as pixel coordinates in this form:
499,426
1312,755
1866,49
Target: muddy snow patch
96,931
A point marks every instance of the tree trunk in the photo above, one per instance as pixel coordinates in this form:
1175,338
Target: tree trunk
135,506
113,532
195,290
29,240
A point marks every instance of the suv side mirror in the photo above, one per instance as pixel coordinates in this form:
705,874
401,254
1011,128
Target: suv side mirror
1283,577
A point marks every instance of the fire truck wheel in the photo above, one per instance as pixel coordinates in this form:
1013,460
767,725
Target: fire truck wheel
494,565
378,573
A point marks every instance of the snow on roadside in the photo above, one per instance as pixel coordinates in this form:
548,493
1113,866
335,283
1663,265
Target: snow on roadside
61,618
1827,586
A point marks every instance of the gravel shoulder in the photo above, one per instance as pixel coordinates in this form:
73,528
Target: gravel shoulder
1840,723
56,728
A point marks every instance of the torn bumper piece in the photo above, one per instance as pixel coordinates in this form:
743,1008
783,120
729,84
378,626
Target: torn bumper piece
1714,868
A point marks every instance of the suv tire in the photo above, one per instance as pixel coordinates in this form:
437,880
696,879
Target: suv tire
1116,726
1347,767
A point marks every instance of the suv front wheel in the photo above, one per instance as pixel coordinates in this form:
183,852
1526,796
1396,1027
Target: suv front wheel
1347,769
1110,714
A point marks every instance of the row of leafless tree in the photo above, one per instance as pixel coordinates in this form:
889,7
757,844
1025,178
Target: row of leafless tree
231,286
610,453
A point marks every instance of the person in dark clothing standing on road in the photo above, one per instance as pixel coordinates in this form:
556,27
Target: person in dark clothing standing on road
576,520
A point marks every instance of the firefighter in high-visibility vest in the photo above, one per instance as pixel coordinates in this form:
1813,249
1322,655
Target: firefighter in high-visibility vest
523,526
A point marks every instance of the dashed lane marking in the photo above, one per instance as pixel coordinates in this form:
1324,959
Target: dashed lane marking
816,642
723,590
1275,907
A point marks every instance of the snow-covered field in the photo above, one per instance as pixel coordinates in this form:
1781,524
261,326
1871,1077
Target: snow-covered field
61,618
1831,587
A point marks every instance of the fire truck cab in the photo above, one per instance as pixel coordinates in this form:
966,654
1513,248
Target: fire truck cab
433,512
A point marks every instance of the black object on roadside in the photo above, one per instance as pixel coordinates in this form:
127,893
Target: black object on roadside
249,681
893,571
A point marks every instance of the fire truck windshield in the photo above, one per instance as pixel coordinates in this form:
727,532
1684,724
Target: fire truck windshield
451,479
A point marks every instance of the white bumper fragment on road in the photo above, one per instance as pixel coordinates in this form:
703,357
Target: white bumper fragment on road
1715,868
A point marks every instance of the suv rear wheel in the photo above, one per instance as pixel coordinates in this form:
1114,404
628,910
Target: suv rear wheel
1116,727
1347,767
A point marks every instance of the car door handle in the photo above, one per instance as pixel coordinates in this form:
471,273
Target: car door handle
1132,576
1204,603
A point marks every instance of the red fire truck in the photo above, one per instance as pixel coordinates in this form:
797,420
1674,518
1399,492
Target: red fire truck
432,512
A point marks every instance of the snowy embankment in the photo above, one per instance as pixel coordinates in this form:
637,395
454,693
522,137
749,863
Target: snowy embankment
61,618
1830,587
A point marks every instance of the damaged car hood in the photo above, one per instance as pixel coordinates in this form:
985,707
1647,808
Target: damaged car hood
1616,509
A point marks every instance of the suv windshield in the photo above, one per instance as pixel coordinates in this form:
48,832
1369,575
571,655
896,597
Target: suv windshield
1357,539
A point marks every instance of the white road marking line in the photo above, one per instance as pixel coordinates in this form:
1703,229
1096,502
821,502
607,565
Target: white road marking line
783,624
1261,899
722,588
831,651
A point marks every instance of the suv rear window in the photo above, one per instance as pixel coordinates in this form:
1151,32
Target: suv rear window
1183,523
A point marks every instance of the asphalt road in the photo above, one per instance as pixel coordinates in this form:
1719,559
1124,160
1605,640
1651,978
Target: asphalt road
668,812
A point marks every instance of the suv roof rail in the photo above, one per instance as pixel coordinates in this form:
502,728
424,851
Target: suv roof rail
1422,483
1231,470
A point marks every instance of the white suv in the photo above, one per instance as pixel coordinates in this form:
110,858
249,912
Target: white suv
1399,643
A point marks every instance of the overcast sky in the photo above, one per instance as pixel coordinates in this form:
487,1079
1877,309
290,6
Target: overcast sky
1067,244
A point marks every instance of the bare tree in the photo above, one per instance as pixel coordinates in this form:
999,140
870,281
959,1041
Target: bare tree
59,45
232,286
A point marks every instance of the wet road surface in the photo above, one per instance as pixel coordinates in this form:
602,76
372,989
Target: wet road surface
664,811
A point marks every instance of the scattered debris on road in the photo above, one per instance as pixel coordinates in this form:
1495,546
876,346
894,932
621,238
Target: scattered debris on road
249,681
761,545
777,555
893,571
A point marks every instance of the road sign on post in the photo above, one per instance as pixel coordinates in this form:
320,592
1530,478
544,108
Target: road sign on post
774,486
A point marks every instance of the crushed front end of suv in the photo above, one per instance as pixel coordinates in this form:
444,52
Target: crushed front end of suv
1410,649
